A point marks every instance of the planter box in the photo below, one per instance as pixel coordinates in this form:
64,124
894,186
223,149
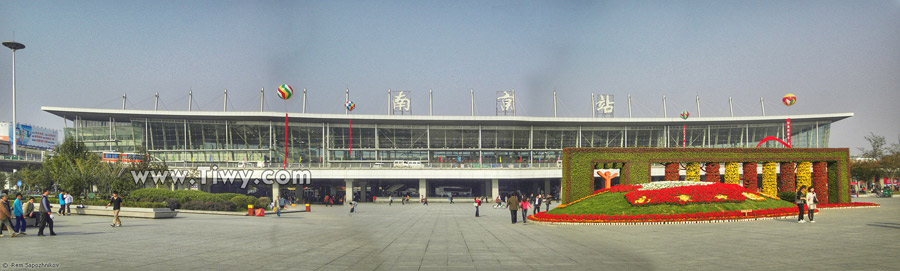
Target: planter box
127,212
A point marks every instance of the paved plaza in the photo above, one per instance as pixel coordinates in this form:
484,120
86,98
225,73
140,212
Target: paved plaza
449,237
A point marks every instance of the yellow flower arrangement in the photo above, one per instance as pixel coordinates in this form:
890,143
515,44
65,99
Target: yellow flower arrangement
642,200
720,196
769,179
692,172
804,174
752,196
684,198
732,175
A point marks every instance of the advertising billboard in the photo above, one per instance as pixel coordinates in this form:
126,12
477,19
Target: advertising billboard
4,131
30,136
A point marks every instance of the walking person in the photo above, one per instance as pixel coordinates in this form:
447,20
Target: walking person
116,202
513,204
811,201
547,202
279,204
20,225
69,200
5,216
525,205
391,200
46,209
451,198
800,200
62,203
537,204
477,204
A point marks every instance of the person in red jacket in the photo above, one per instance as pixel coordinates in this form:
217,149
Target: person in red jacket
477,204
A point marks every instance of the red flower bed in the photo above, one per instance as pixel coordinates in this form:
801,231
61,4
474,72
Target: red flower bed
846,205
750,176
717,192
672,171
712,173
720,215
820,181
788,177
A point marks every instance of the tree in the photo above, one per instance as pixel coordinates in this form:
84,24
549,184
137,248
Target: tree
864,171
2,179
877,144
35,179
890,164
74,168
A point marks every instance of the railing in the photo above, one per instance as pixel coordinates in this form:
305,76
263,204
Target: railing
22,158
372,166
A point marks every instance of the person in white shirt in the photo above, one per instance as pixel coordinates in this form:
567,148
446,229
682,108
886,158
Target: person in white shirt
69,200
811,202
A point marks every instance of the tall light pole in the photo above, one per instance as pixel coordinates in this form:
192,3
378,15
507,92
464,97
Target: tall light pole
14,46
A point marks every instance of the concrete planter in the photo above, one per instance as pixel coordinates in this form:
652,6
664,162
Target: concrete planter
127,212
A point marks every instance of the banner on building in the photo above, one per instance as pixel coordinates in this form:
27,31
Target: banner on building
36,137
5,131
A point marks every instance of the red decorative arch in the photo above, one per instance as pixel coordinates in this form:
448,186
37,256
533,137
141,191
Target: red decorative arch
770,138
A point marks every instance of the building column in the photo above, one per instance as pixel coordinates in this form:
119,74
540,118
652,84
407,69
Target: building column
348,192
547,187
423,188
362,191
495,188
276,191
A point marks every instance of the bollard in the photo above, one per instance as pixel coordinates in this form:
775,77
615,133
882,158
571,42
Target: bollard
307,207
250,210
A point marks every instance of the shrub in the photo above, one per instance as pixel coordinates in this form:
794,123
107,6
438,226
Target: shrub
173,203
263,202
241,201
787,196
223,206
195,205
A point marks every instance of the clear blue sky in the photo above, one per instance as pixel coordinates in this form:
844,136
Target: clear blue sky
836,56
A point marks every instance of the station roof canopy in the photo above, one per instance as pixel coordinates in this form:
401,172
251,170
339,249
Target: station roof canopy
70,113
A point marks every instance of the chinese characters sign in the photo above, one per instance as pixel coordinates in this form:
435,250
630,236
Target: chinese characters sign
401,103
604,105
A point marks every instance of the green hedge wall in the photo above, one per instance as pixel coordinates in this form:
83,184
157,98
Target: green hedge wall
578,164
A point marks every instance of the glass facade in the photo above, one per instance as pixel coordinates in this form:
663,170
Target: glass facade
328,144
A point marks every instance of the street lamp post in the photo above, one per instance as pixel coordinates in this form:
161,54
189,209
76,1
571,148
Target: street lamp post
14,46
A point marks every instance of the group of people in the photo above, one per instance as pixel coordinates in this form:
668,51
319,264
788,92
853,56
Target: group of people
20,211
65,203
403,200
525,203
806,199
